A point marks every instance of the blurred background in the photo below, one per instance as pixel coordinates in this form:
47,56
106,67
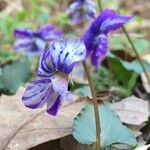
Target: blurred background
36,13
120,75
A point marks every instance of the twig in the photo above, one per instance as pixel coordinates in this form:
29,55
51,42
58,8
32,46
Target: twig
95,104
20,128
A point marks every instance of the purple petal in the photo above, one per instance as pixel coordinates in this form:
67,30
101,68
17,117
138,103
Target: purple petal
52,109
81,10
95,26
66,52
48,33
31,46
23,44
60,86
40,44
100,51
57,100
89,40
114,23
46,28
37,94
46,68
77,5
61,57
42,91
89,9
23,33
76,18
108,20
60,83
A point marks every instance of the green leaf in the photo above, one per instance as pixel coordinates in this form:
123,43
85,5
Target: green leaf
112,130
102,79
121,73
13,75
142,45
120,42
84,91
136,66
6,56
131,66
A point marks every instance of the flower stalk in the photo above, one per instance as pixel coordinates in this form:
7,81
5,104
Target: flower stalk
137,54
132,45
100,5
95,105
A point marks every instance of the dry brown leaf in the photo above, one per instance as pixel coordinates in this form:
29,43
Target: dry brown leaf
69,143
22,128
132,110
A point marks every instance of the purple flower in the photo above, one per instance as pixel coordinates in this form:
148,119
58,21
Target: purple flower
95,38
55,65
81,10
34,42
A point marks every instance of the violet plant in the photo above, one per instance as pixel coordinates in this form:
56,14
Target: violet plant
57,62
81,10
95,39
35,42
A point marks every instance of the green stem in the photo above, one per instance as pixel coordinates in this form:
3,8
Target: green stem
100,5
95,104
137,54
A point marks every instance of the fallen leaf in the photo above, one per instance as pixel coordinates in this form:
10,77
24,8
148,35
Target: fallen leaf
146,57
22,128
132,110
141,141
145,83
144,80
136,129
145,147
69,143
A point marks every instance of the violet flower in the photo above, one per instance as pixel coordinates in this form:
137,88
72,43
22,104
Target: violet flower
34,42
81,10
95,38
55,65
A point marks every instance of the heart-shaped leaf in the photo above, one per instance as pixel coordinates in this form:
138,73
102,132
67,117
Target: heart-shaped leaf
112,130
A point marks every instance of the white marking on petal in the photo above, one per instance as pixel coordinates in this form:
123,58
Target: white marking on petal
37,93
110,22
66,52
